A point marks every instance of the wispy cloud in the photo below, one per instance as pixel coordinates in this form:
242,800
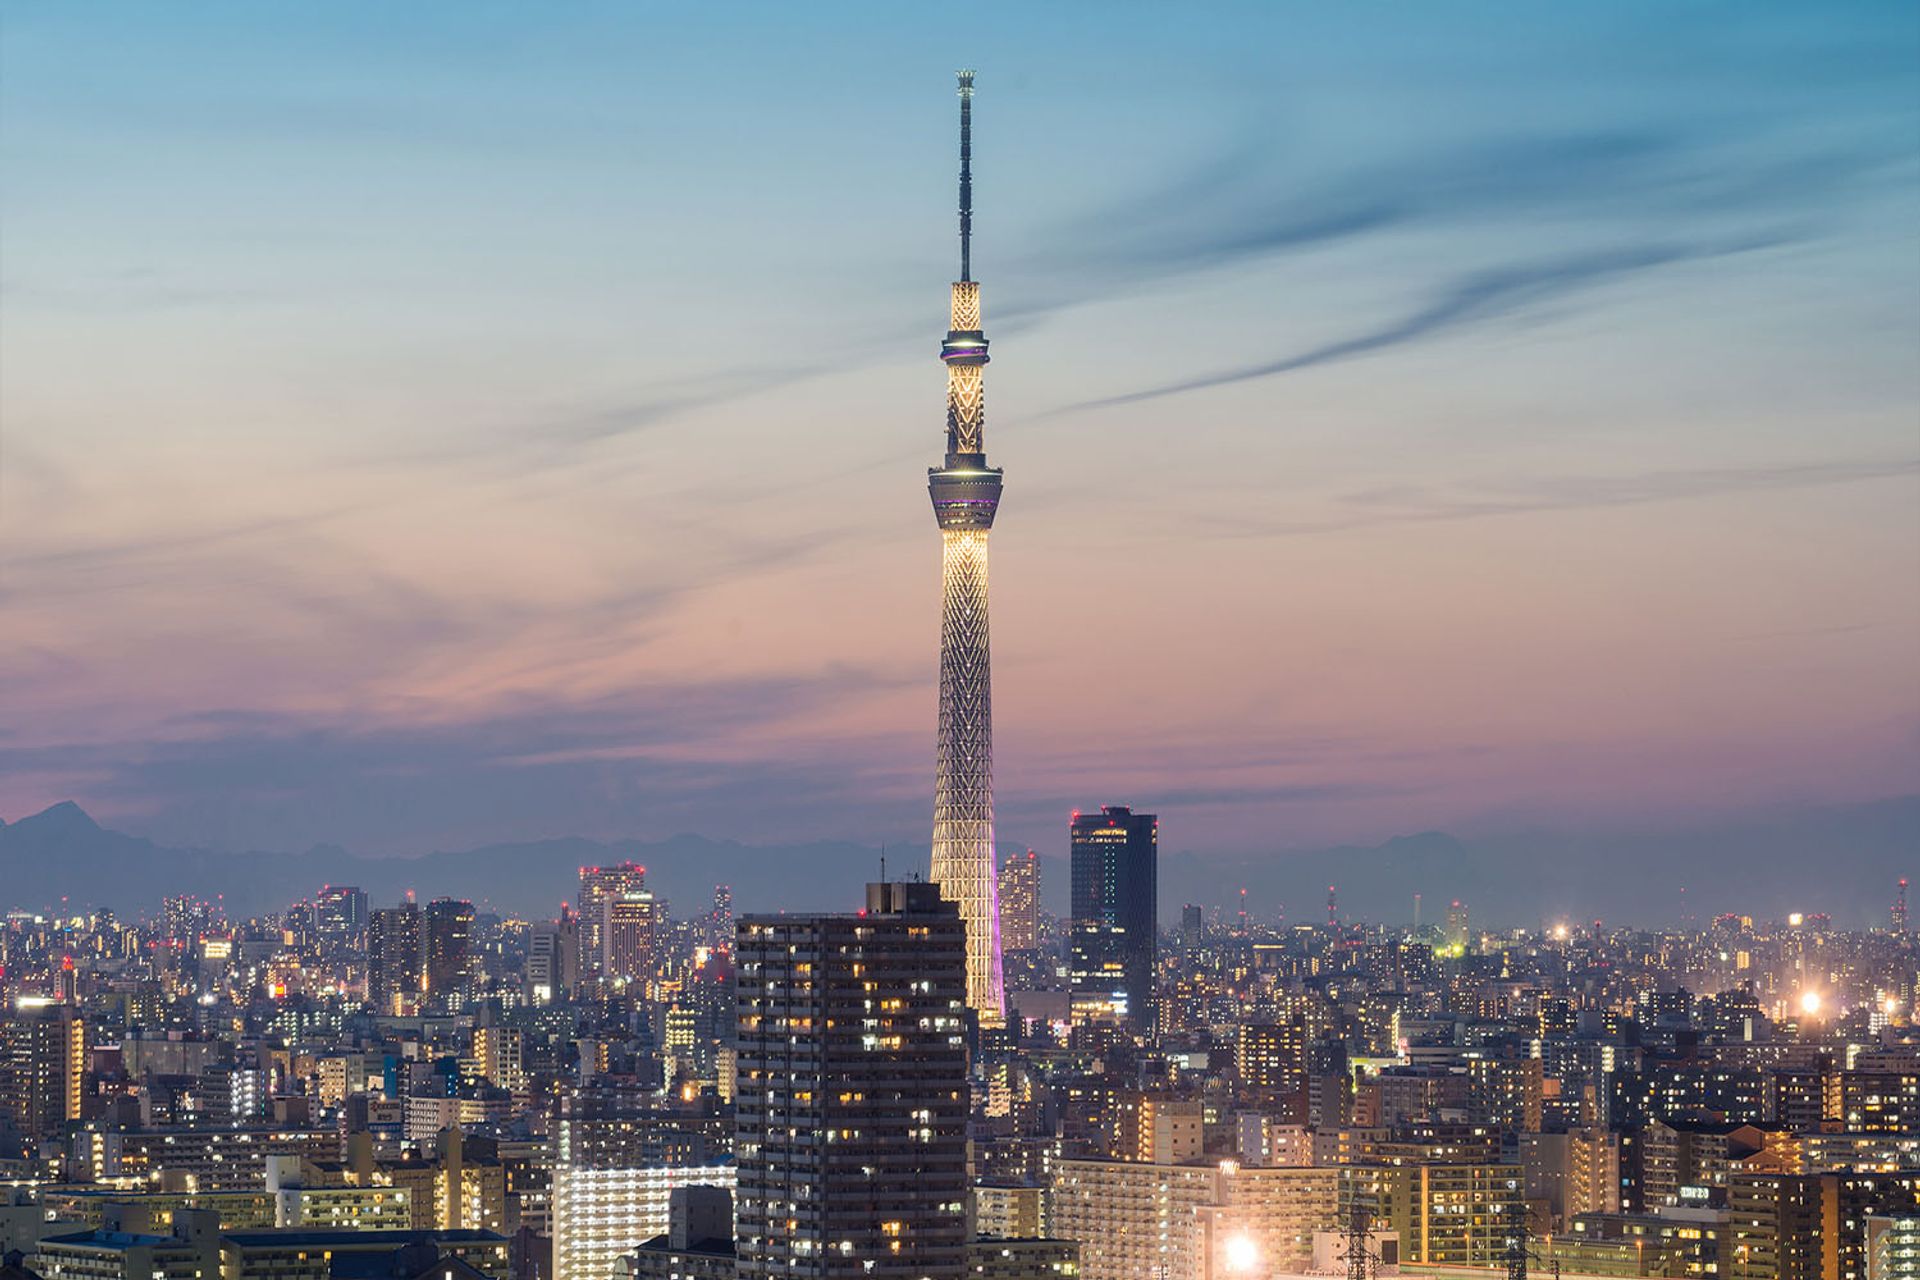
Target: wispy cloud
1428,504
1245,205
1240,207
1472,299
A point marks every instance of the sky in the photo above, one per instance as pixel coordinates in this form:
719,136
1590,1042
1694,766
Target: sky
433,424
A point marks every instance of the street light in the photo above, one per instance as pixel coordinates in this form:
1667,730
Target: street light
1241,1254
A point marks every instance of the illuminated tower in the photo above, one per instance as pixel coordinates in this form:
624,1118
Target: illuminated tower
966,493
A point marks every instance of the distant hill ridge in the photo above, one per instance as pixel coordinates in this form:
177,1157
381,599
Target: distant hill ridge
1842,860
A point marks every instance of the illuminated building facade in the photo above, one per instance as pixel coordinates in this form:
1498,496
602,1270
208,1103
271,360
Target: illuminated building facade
852,1093
966,496
1271,1061
43,1066
1813,1226
1445,1214
597,886
396,959
1116,858
1134,1219
630,930
1020,902
600,1214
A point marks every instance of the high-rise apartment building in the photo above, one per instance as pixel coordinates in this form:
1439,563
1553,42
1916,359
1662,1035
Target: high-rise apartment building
597,885
43,1066
1020,902
1116,856
852,1093
601,1214
396,959
1138,1220
1813,1226
1446,1214
1271,1061
1507,1093
451,959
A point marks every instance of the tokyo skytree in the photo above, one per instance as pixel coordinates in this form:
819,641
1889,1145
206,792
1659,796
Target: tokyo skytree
966,494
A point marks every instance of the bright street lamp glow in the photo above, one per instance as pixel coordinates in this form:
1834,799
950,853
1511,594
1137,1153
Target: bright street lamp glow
1810,1002
1242,1253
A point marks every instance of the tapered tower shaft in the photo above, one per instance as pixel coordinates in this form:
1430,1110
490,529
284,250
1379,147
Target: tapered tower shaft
966,497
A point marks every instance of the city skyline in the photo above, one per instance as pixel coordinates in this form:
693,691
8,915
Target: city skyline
471,636
1574,492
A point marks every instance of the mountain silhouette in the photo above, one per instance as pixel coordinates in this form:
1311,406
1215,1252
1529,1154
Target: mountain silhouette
1842,860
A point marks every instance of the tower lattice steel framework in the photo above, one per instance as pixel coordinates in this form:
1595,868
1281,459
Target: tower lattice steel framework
966,495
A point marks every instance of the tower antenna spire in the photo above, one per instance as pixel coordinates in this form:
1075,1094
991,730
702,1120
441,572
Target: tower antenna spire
966,175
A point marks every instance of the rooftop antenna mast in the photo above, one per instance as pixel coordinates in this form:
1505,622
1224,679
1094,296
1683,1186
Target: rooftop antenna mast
1518,1252
1362,1263
966,175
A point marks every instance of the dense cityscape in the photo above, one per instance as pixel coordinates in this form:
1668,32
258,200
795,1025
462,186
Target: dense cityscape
943,1079
631,1090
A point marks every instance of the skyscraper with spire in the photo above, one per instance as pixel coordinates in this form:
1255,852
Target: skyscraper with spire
966,495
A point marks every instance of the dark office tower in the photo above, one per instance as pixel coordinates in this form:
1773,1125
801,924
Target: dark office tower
43,1064
851,1109
1020,902
340,915
1116,885
1193,931
450,956
396,959
597,884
